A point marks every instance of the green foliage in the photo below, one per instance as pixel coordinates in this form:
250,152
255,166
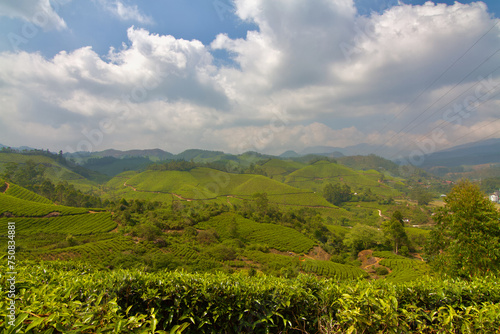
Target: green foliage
422,196
405,270
394,231
388,255
337,194
332,269
362,237
466,239
74,298
381,271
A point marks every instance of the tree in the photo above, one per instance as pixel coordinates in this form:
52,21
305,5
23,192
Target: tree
362,237
394,231
422,196
466,239
337,194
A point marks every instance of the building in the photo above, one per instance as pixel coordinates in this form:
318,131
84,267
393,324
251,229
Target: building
494,198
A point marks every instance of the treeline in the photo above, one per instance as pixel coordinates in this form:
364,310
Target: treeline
31,176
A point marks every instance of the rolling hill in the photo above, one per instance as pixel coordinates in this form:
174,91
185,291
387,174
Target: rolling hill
314,177
56,171
208,184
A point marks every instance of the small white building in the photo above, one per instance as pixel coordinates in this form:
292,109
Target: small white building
494,198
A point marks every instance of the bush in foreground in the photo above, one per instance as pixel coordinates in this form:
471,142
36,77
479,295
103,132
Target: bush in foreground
64,297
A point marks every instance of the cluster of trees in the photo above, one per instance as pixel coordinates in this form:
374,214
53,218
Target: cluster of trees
391,235
31,175
337,194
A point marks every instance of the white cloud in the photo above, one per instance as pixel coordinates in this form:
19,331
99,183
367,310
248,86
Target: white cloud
38,12
126,12
294,84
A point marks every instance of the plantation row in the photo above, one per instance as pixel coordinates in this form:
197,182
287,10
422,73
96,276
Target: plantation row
131,301
99,251
279,237
404,270
332,269
22,208
77,225
22,193
185,252
388,255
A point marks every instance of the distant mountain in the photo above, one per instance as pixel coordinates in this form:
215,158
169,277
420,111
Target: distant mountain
18,148
162,155
354,150
477,153
289,154
333,152
196,154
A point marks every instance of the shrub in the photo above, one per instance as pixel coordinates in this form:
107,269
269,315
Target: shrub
381,271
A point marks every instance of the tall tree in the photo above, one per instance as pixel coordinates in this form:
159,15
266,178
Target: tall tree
394,231
466,239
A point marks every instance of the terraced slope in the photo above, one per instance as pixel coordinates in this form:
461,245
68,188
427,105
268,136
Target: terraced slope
316,176
22,208
209,184
275,236
76,224
25,194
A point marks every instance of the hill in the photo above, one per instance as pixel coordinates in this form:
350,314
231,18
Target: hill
314,177
57,170
477,153
208,184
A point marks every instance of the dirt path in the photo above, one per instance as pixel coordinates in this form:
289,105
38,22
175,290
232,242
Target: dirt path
8,185
182,198
126,185
418,256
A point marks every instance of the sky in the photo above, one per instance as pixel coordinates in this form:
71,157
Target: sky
249,75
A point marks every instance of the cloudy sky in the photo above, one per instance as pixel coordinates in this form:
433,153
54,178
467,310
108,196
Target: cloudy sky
264,75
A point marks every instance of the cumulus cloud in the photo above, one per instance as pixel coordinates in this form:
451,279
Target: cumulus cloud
38,12
313,73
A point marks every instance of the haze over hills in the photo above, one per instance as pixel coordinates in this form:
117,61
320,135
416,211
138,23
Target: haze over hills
482,152
112,162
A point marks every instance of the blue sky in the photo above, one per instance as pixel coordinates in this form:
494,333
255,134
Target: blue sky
248,75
